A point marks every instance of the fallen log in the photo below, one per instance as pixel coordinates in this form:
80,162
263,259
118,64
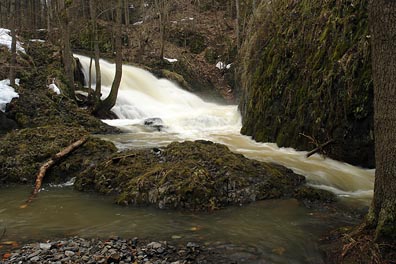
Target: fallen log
49,163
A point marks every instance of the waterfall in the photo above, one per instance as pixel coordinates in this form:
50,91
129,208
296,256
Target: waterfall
187,117
142,96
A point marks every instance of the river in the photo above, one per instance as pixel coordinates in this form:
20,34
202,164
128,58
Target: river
273,231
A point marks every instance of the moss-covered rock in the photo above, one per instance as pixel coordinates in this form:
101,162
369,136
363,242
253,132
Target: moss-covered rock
41,107
198,175
306,68
179,79
22,152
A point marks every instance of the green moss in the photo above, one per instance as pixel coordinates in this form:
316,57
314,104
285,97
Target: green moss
306,68
198,175
22,153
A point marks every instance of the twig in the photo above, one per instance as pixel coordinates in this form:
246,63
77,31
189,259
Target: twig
319,148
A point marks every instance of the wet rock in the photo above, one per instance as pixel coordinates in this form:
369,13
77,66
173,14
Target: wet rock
153,252
155,123
6,124
199,175
45,246
22,152
154,245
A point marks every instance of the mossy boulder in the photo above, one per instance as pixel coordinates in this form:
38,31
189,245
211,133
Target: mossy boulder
41,107
22,152
179,79
198,175
306,69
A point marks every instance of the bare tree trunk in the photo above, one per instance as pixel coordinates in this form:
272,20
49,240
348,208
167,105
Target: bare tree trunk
13,43
238,16
111,99
162,34
382,214
126,9
98,80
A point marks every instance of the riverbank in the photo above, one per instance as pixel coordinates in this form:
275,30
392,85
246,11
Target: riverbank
114,250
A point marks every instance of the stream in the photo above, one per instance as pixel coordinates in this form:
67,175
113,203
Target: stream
275,231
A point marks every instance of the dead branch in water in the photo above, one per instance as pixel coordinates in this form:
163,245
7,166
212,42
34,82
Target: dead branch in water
49,163
319,147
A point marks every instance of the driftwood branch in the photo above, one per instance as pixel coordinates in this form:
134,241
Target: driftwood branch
51,162
319,147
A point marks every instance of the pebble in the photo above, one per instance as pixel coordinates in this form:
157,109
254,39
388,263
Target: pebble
45,246
114,250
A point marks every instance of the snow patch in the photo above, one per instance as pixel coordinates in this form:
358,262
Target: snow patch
6,39
37,40
7,93
170,60
137,23
54,88
220,65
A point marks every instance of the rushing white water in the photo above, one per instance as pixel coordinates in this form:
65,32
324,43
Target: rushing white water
187,117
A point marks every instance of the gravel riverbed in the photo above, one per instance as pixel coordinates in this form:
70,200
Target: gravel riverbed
112,250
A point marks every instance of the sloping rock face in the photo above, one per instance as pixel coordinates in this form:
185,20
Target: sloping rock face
306,69
22,152
198,175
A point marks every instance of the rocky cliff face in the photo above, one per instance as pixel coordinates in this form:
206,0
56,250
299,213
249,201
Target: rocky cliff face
306,69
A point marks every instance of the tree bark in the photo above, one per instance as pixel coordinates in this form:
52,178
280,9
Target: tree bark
13,44
67,55
382,214
98,80
51,162
109,102
237,22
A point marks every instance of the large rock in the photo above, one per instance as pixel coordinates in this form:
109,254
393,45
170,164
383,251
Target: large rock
22,152
41,107
198,175
6,124
306,68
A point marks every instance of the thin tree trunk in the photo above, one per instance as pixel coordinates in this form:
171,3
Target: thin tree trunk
238,16
126,9
110,101
382,214
13,44
98,80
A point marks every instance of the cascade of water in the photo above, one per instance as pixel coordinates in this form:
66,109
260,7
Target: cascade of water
187,117
143,96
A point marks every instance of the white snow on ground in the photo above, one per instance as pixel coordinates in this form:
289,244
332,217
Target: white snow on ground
137,23
37,40
220,65
170,60
6,93
54,88
6,39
